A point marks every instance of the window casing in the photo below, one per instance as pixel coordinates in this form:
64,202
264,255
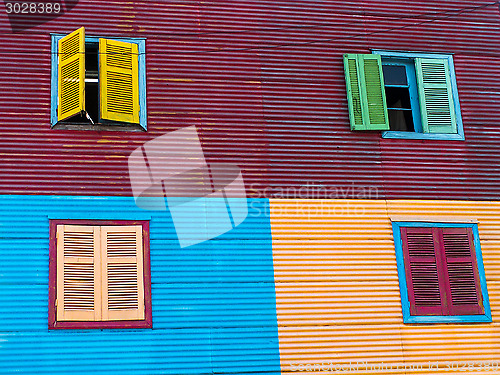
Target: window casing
99,274
409,95
441,273
94,65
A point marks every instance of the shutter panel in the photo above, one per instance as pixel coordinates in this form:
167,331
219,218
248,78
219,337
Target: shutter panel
71,74
123,278
78,273
353,92
366,92
464,287
426,288
119,81
435,95
374,90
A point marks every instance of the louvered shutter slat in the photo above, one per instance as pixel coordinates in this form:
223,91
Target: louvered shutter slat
71,74
464,288
435,95
123,278
425,284
119,81
78,273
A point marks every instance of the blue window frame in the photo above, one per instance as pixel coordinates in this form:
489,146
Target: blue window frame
409,315
408,61
94,40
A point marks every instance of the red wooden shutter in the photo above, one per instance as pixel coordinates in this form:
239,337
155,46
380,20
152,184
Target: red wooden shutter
463,285
425,283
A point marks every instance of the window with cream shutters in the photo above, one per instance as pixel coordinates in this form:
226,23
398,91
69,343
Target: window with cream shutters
102,276
99,82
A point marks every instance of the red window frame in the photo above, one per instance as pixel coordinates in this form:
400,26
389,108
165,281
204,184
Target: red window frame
122,324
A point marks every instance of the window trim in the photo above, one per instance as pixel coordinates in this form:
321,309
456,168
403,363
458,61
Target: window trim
122,324
403,288
141,43
460,136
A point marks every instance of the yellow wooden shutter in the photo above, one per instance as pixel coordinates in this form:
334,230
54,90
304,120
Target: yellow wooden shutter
71,73
78,273
119,80
122,268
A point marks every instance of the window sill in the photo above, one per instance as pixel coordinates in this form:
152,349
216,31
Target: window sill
447,319
123,324
423,136
99,127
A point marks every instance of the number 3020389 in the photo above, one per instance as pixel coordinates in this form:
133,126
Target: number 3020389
33,8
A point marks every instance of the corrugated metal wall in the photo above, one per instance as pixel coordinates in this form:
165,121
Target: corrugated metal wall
337,292
263,82
213,303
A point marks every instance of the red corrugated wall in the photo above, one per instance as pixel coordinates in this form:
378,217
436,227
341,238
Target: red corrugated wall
263,82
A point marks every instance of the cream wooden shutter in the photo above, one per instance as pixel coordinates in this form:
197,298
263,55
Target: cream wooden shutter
119,80
71,74
122,268
78,273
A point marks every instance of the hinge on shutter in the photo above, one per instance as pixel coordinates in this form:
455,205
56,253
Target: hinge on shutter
56,303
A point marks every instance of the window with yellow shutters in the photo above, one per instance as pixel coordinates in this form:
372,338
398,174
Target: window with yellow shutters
99,275
98,83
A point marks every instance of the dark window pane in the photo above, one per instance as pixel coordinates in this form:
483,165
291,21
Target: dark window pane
395,75
91,100
397,97
91,57
401,120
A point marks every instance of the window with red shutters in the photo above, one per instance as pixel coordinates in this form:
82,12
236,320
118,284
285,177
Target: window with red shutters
441,271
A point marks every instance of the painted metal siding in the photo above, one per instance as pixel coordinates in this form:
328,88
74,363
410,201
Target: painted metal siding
337,294
213,303
263,82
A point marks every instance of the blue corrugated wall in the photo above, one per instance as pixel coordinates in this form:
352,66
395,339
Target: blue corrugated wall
214,307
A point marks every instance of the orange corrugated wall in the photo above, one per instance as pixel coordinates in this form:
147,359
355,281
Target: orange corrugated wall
337,291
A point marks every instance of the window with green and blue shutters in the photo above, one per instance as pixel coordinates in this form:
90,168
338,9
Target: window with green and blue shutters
405,95
441,273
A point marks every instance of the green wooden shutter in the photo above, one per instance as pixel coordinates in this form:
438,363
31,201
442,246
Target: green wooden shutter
435,95
365,92
71,74
119,80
